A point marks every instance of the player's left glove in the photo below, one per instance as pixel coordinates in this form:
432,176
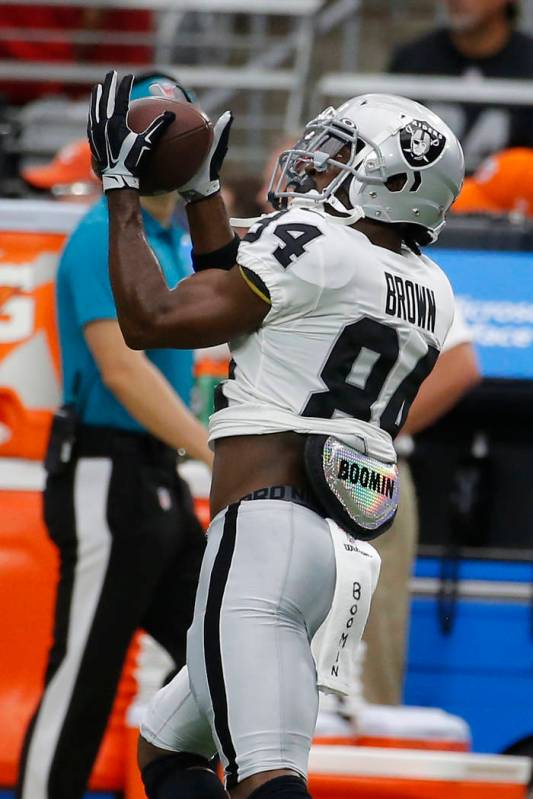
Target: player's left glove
117,150
207,181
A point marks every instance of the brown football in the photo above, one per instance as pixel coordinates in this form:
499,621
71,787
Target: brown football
180,151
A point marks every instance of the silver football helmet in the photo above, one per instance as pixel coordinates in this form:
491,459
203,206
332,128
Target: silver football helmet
398,163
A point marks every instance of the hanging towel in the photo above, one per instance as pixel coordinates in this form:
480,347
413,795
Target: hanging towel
335,642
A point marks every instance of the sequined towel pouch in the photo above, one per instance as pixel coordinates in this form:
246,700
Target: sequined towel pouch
359,493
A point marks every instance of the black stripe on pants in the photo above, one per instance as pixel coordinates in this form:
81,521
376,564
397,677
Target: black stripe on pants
212,649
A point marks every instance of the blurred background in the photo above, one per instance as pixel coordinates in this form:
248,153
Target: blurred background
276,63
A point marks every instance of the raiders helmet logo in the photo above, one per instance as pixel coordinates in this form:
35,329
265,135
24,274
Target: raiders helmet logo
421,144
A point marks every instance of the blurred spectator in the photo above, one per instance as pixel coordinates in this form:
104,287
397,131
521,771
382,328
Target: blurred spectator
241,196
455,373
503,184
69,176
479,39
46,33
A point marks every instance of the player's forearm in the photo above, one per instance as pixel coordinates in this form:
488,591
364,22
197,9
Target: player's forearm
138,285
208,308
148,397
209,224
149,314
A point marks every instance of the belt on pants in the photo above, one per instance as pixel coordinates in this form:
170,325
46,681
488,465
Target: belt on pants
288,493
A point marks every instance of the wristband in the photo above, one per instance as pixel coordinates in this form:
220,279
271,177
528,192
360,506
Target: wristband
223,258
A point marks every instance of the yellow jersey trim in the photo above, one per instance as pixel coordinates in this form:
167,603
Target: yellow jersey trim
254,288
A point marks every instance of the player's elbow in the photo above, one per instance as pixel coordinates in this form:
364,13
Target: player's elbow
136,333
162,330
135,341
149,336
137,323
142,323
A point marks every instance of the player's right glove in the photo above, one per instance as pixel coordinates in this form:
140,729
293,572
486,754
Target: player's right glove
118,152
206,181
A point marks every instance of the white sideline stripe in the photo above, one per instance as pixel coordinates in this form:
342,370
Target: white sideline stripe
18,474
40,216
419,765
491,590
94,545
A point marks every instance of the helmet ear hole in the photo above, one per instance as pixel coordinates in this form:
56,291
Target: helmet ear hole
396,182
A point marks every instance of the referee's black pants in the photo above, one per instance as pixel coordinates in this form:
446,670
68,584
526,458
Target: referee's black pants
130,551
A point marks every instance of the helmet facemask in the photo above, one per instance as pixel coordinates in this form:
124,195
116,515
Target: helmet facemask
323,140
317,150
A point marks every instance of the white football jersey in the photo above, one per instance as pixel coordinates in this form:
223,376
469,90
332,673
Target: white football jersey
352,332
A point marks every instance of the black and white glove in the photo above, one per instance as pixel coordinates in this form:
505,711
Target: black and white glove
118,151
206,181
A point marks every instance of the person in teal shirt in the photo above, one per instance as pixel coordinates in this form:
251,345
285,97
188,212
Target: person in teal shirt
84,296
130,546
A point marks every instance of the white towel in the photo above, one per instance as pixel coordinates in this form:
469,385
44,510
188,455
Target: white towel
335,643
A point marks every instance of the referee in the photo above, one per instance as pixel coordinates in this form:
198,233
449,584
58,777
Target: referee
130,546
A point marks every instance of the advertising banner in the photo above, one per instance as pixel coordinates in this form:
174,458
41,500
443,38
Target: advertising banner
31,238
495,292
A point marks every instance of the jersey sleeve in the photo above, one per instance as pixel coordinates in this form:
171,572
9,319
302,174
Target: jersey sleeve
85,261
283,260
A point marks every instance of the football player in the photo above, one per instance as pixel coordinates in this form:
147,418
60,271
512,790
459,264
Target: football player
334,319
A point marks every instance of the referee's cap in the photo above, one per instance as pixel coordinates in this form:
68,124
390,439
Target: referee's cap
168,83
